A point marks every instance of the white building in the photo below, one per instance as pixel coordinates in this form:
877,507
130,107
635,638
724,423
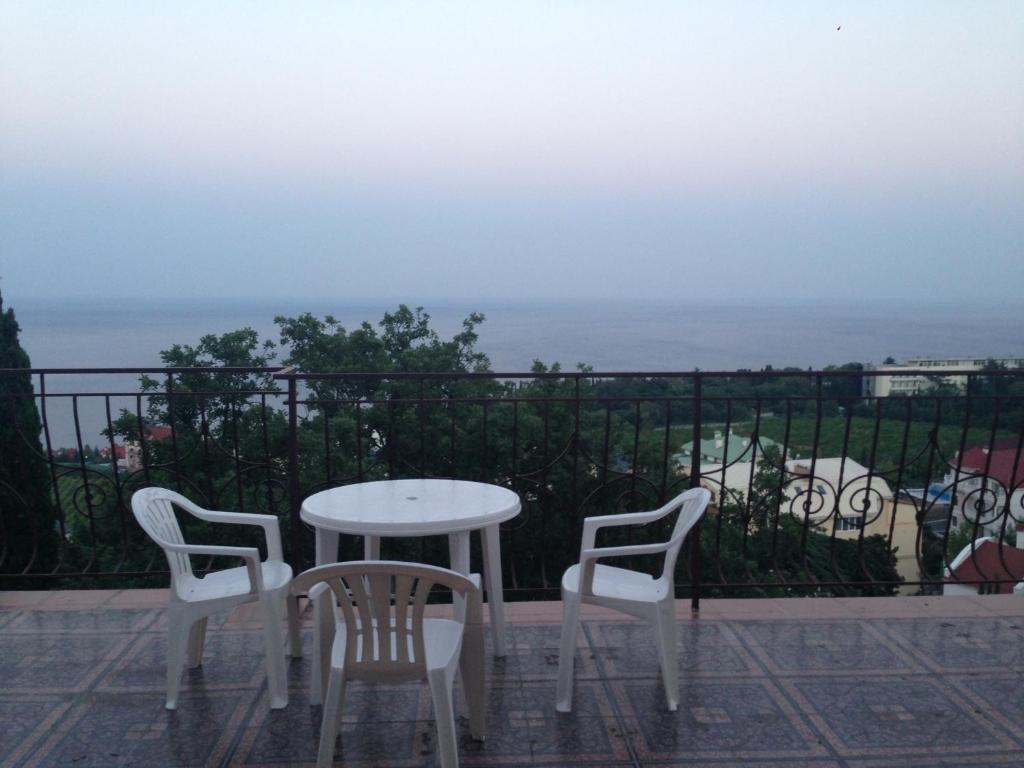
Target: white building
912,377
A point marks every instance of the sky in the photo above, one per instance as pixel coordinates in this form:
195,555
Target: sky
512,150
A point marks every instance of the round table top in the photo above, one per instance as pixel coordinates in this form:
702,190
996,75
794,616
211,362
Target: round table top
410,507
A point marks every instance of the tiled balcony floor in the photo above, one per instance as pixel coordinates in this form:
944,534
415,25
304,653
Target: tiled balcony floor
820,683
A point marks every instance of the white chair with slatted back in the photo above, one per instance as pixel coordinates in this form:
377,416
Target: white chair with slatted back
633,593
194,598
385,637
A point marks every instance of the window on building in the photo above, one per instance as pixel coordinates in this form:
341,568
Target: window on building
849,523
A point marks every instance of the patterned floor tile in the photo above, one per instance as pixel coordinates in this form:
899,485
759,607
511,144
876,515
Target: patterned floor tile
381,725
533,653
523,728
120,730
55,663
82,622
893,716
716,719
26,719
999,697
938,761
962,645
747,763
627,649
230,660
809,647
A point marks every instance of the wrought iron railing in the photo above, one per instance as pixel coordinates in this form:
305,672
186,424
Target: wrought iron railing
819,487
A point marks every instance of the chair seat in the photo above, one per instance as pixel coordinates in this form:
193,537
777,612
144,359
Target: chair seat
232,582
617,584
442,641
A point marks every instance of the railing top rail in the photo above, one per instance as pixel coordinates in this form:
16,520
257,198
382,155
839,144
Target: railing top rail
415,375
146,369
290,373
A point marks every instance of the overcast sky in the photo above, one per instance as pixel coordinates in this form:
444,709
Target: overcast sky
512,150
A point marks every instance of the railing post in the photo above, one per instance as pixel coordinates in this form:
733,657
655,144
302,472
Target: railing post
294,490
695,563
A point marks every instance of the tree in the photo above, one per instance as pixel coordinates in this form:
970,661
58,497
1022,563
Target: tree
27,521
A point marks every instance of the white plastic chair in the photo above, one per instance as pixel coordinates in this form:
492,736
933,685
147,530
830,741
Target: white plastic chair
194,598
632,593
383,593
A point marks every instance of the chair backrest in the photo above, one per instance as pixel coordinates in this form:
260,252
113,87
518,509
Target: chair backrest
154,509
376,594
692,504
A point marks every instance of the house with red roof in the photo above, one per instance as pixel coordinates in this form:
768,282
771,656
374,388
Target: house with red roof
986,567
982,479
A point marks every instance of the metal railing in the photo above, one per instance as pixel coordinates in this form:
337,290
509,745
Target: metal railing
819,488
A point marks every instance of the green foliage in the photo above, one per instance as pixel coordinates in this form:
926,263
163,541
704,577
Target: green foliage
27,520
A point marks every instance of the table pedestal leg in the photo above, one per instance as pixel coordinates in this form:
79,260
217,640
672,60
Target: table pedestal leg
491,541
458,553
323,617
371,547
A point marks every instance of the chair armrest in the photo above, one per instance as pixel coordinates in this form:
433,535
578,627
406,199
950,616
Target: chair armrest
269,523
589,558
251,555
591,525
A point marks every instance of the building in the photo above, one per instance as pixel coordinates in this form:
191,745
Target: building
132,460
713,450
985,562
912,377
981,482
864,501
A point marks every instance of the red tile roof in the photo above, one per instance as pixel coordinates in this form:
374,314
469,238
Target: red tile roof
986,564
999,463
158,433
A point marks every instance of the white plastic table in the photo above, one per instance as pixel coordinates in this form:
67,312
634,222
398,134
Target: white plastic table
424,507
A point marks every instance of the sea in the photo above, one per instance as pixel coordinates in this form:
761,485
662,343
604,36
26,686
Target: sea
608,335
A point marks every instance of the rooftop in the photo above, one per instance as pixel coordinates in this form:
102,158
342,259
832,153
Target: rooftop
805,682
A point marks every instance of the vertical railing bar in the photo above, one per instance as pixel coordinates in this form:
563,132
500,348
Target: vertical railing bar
237,451
723,498
267,463
665,451
204,436
421,412
635,461
54,477
815,445
392,438
118,488
359,441
294,489
94,549
694,535
780,492
485,448
576,443
328,468
174,434
513,481
836,511
143,446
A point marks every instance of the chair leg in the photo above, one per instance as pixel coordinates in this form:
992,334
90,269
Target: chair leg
196,640
177,648
273,641
294,637
323,641
334,705
665,635
440,681
567,651
471,667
